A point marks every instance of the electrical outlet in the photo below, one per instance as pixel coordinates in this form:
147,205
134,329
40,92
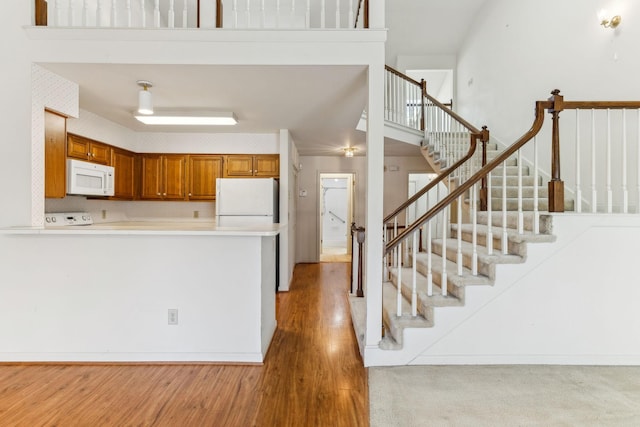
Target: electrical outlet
173,316
196,214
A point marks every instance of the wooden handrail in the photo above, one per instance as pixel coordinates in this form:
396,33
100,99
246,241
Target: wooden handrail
219,13
444,203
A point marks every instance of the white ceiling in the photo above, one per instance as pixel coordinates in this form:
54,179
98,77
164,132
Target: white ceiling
320,105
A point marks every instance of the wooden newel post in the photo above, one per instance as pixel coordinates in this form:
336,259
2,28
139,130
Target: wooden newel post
556,186
484,196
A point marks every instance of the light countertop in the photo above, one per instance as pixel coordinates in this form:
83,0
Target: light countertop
152,227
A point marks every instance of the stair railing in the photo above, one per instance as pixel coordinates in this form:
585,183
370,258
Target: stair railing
439,206
118,14
403,99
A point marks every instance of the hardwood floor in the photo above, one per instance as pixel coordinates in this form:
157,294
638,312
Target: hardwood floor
312,376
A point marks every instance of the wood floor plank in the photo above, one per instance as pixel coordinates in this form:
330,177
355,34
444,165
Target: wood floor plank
312,376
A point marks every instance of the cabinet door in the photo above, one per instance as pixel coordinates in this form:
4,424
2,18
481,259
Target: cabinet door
151,177
99,153
124,180
55,158
175,176
203,171
77,147
267,165
238,165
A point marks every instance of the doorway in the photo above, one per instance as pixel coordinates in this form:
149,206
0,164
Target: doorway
335,216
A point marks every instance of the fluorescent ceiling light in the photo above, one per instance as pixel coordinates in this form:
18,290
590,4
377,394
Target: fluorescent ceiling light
189,118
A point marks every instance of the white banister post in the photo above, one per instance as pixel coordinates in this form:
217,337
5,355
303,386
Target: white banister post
414,278
338,14
608,164
594,190
171,15
350,22
489,216
99,13
520,213
536,212
625,193
114,14
156,14
307,15
129,17
85,13
70,14
505,243
399,282
322,14
185,14
208,15
578,161
143,14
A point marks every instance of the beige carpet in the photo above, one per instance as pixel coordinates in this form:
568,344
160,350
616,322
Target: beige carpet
504,396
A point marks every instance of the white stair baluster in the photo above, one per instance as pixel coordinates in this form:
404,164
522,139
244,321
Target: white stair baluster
262,14
185,14
114,14
307,15
99,13
489,217
350,17
129,16
156,14
385,239
70,14
338,14
85,13
594,190
536,190
395,234
322,14
429,261
608,164
459,237
414,278
234,11
445,224
505,246
143,14
578,202
171,15
638,164
399,282
293,13
474,232
625,193
56,13
520,213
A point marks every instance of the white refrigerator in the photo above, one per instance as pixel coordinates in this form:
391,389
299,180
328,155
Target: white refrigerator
246,201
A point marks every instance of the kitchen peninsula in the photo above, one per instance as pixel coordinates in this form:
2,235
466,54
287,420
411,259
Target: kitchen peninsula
139,292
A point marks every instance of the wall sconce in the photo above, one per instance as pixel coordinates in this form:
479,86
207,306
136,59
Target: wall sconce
349,151
609,23
145,103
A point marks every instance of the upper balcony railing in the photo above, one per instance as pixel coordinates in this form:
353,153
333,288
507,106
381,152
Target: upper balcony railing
233,14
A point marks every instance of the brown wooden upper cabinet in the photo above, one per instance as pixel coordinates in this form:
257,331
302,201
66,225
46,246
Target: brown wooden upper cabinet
124,163
80,147
203,171
163,176
245,165
55,158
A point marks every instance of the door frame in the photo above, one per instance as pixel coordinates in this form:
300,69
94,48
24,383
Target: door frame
350,176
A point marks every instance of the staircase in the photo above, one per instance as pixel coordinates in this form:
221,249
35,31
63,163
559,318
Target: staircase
488,255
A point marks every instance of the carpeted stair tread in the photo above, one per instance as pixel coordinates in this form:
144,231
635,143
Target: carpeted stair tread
466,279
527,236
394,324
435,300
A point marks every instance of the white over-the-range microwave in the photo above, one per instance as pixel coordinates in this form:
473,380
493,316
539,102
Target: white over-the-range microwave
89,179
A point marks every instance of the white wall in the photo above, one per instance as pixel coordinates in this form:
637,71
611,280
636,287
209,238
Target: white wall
396,182
517,52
